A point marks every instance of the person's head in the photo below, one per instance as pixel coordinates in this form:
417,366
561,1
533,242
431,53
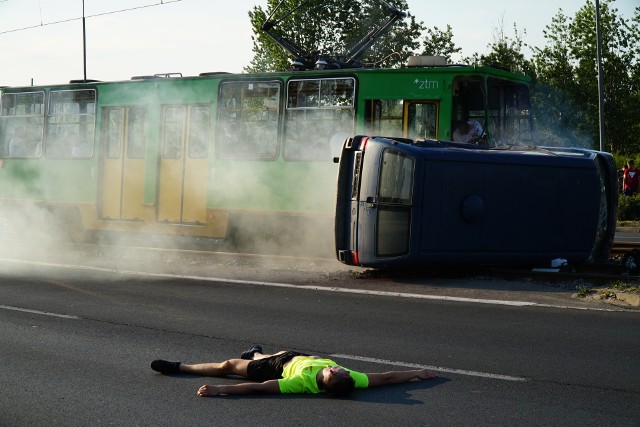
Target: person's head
337,381
630,163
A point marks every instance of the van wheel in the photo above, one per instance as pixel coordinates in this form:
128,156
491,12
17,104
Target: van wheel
631,261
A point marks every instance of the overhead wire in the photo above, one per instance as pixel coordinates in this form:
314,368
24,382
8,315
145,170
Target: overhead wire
162,3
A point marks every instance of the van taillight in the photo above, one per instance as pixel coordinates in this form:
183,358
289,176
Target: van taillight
363,143
348,257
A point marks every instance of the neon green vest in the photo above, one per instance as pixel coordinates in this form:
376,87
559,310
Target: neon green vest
299,375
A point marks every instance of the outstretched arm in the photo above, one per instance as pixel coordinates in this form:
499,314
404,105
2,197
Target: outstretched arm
270,386
397,377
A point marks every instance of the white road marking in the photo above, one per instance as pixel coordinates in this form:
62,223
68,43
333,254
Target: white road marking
44,313
308,287
337,356
316,288
431,368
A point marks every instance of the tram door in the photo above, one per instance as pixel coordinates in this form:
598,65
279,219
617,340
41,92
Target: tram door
182,190
123,163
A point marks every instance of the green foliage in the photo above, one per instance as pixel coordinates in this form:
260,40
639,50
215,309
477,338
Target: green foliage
584,290
622,286
629,208
440,43
566,94
607,294
507,52
622,158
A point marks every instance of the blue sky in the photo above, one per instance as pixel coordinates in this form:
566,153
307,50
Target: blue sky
194,36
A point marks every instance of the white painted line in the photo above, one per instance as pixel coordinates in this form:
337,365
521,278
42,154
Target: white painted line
44,313
307,287
431,368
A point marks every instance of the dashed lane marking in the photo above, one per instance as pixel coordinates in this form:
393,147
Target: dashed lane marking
337,356
431,368
44,313
317,288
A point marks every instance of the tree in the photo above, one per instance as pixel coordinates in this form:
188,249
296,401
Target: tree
440,43
506,52
553,95
331,27
567,72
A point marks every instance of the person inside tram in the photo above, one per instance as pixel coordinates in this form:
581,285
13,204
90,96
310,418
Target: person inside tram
17,144
468,130
286,372
80,149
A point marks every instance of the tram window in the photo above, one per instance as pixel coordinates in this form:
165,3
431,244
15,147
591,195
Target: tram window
319,116
384,117
136,132
113,124
22,124
303,93
468,101
422,119
71,123
248,115
186,123
199,125
173,132
510,112
114,120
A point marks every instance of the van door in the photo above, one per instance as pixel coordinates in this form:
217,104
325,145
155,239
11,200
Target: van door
393,204
384,215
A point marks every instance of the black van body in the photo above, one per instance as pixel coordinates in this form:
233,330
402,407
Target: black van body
401,201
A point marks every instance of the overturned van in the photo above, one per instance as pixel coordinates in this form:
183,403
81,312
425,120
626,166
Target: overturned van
401,201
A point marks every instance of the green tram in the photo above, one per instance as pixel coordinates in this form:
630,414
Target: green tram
228,156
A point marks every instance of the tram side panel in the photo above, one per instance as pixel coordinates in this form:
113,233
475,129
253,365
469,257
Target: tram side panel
44,182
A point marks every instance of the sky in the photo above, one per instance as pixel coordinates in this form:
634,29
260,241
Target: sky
195,36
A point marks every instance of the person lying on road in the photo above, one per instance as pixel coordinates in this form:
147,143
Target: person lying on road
287,372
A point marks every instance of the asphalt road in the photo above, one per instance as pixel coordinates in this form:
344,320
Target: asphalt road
76,342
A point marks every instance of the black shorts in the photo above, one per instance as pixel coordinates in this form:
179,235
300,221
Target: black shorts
270,368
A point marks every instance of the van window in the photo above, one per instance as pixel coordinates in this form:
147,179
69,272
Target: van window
396,178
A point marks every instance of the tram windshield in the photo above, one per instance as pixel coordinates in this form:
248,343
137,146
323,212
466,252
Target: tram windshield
509,113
